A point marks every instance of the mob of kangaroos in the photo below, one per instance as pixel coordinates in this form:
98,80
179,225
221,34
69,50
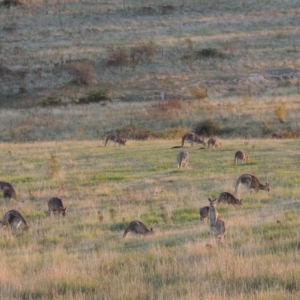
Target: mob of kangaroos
192,138
14,219
252,183
228,198
55,205
216,223
8,191
114,137
213,142
240,155
138,228
182,159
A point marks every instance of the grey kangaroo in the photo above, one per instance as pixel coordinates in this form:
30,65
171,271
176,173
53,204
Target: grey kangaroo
138,228
55,205
8,191
14,219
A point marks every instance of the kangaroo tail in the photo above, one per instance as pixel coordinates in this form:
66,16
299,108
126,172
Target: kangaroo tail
125,233
176,147
237,185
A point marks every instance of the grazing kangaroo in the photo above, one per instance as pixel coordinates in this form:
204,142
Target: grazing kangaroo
252,183
192,138
240,155
216,223
213,142
229,199
204,213
182,159
115,138
14,219
138,228
55,205
8,191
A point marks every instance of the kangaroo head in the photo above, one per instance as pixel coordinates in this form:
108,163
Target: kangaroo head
63,210
124,142
151,231
268,186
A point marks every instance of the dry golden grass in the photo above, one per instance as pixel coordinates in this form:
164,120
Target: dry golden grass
83,255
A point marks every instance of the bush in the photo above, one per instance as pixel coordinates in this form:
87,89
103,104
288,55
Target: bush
136,133
84,73
10,3
280,112
198,93
95,97
287,133
117,57
207,127
51,101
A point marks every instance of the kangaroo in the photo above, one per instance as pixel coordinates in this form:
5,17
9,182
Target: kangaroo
115,138
213,142
192,138
138,228
56,205
204,213
240,155
182,159
14,219
8,191
216,223
229,199
252,183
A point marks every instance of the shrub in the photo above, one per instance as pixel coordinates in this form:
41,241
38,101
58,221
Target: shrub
95,96
117,57
207,127
280,112
198,93
177,132
51,101
142,52
287,133
84,73
10,3
136,133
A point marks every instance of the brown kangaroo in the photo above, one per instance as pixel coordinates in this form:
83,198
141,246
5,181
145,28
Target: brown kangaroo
138,228
14,219
252,183
216,223
213,142
115,138
204,213
229,199
182,159
55,205
240,155
192,138
8,191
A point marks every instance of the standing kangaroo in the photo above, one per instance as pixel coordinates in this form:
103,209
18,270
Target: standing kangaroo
229,199
14,219
137,227
55,205
115,138
252,183
8,191
192,138
216,223
204,213
240,155
182,159
213,142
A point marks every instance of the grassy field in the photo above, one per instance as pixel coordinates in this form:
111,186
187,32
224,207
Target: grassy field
83,256
168,67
